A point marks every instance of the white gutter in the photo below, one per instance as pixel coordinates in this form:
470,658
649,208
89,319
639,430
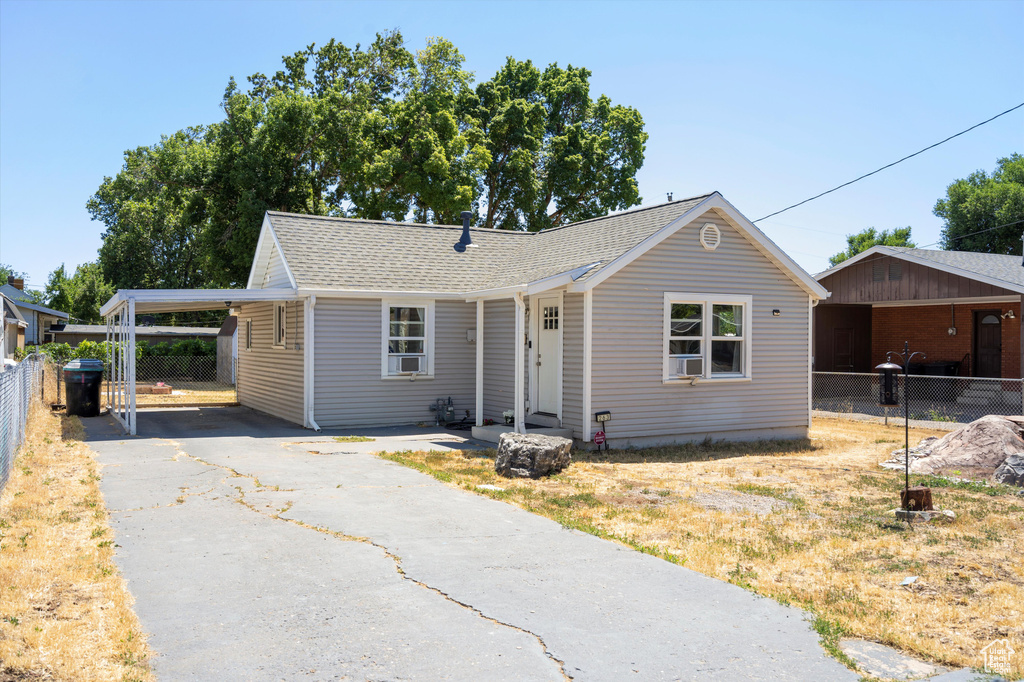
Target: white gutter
480,363
310,359
377,293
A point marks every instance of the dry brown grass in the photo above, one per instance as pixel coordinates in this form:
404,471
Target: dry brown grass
184,393
65,612
835,549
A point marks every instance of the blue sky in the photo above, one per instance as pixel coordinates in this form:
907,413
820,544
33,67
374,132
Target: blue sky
769,103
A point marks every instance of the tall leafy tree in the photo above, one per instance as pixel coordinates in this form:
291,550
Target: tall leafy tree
377,132
985,212
80,295
865,239
557,156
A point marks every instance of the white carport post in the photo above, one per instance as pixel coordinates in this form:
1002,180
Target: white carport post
520,369
480,362
121,357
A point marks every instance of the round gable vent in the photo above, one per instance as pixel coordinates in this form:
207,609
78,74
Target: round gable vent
710,236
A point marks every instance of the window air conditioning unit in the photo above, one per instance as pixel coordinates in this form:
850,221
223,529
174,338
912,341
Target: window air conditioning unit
692,366
409,364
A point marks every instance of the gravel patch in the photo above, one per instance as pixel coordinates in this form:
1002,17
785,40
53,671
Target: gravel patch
728,501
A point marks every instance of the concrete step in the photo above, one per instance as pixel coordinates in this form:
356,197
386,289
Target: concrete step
492,433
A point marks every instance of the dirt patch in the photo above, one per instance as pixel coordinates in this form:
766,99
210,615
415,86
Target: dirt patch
730,501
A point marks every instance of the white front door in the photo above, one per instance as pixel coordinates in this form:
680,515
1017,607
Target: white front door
549,354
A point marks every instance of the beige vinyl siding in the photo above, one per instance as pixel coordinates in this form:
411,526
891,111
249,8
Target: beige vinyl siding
348,387
628,339
276,275
271,379
572,363
499,358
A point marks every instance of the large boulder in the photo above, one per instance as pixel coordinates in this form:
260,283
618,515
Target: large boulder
1011,472
525,455
983,444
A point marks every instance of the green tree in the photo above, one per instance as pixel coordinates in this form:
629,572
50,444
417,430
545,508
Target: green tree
80,295
377,132
981,203
865,239
557,156
8,271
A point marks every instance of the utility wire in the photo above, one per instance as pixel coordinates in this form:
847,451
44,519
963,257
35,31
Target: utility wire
971,234
818,196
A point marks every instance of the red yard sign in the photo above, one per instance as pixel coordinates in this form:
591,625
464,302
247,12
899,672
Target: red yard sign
599,438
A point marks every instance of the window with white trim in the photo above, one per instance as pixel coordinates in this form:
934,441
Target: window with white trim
280,325
706,337
408,330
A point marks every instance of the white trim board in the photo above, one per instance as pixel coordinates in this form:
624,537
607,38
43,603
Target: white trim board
261,260
923,303
174,300
716,201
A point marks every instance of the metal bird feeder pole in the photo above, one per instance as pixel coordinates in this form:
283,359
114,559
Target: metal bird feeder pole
906,356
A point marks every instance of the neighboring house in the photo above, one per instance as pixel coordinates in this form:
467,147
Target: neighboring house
962,309
12,327
681,320
74,334
39,318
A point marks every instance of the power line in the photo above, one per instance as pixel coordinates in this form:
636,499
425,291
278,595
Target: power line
971,234
910,156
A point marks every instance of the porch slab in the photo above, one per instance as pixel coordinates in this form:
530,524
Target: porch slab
492,433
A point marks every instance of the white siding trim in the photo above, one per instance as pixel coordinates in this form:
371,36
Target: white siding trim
309,365
520,334
810,358
261,261
588,359
480,363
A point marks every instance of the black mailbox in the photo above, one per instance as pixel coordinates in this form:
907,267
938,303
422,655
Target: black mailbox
887,394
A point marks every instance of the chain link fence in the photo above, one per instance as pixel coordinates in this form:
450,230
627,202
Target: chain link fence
19,386
932,398
184,380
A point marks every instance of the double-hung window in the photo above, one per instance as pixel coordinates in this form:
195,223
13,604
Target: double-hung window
407,331
706,337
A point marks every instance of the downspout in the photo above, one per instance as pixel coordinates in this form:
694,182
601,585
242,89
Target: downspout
519,406
310,363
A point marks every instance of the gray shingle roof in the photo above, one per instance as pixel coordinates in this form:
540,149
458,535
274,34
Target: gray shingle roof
997,269
346,253
1007,269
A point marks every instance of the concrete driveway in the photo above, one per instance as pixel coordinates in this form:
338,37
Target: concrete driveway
257,550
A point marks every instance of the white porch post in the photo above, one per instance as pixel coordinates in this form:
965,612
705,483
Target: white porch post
132,427
520,368
480,362
588,361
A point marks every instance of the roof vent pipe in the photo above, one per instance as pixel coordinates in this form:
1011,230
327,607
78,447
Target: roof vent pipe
465,240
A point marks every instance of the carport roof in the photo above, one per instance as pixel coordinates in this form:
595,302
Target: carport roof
182,300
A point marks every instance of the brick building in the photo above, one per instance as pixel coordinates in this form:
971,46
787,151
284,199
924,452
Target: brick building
961,309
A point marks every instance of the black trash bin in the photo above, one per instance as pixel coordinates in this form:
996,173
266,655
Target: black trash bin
82,380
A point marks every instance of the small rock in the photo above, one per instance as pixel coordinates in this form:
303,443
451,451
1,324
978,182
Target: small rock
525,455
1011,472
488,486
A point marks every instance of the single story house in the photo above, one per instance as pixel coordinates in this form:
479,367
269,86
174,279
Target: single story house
74,334
962,309
39,318
669,323
12,327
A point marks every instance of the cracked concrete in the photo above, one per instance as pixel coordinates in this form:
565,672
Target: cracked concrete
252,557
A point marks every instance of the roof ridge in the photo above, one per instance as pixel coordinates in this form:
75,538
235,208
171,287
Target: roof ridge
370,221
627,212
